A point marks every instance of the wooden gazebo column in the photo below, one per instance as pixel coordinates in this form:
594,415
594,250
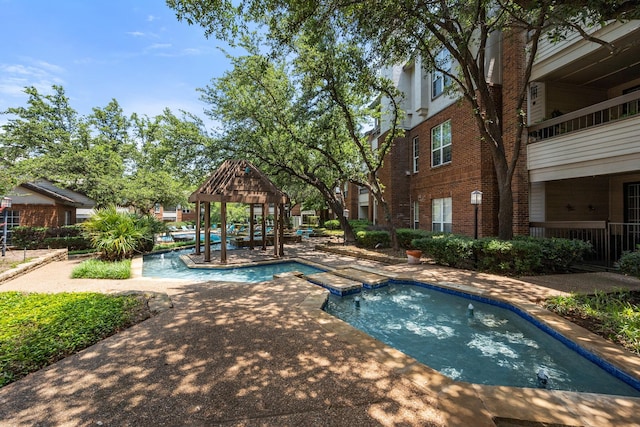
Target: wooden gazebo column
197,227
207,233
252,242
223,232
281,239
276,229
264,227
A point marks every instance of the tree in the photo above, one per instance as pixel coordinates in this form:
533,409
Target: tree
303,118
392,31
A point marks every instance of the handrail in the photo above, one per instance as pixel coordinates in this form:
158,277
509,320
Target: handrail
535,130
569,224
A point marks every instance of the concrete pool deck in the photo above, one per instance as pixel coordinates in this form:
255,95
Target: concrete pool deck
265,354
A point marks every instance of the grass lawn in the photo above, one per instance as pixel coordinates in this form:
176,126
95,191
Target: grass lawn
96,269
39,329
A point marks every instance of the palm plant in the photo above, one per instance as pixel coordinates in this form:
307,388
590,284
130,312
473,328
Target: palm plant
117,235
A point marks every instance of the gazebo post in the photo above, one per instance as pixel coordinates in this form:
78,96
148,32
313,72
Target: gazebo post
276,228
281,240
197,227
252,242
223,232
207,234
264,227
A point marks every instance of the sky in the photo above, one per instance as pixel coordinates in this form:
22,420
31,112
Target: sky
135,51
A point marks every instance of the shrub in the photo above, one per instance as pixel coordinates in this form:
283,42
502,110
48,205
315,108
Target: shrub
407,235
332,224
359,225
373,239
447,249
119,235
70,236
517,257
630,263
558,255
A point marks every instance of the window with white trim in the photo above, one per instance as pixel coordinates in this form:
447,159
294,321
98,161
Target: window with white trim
416,153
441,214
416,215
440,80
441,144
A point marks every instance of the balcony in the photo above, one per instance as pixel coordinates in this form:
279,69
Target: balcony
596,140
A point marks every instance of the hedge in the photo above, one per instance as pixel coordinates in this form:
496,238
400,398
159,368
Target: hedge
373,239
630,263
70,236
521,256
406,235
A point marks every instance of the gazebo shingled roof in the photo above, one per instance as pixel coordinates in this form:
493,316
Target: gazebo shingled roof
238,181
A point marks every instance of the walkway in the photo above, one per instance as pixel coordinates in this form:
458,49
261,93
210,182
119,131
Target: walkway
248,355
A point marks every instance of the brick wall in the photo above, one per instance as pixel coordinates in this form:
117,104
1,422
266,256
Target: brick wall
470,169
396,183
44,215
513,59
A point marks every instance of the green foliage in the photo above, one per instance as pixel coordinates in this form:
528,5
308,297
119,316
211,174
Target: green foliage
373,239
447,249
70,237
630,263
359,224
39,329
521,256
332,224
119,235
514,257
97,269
407,235
617,315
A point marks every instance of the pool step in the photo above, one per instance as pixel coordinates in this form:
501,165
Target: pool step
368,279
347,281
335,284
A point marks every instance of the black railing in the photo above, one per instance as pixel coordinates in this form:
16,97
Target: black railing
609,239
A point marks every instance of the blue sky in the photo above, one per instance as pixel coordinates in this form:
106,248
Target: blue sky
135,51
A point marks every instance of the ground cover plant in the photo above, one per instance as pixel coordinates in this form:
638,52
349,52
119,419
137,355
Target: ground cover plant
39,329
614,316
98,269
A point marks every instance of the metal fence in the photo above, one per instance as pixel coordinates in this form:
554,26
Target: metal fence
609,239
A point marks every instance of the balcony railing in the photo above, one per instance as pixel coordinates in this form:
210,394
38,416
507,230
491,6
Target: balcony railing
609,239
599,114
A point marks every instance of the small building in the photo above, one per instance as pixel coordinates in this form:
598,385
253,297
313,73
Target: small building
42,204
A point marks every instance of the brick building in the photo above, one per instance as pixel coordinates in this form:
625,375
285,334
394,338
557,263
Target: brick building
43,204
578,173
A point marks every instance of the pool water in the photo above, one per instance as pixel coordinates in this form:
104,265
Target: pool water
493,345
169,265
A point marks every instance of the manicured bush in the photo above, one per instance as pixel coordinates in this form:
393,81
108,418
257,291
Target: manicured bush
406,235
332,224
359,224
373,239
630,263
513,257
447,249
97,269
558,255
70,237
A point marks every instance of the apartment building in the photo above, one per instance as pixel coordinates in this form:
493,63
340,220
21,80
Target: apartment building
579,173
583,151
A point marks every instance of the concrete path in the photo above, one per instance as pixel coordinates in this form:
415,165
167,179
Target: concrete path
234,354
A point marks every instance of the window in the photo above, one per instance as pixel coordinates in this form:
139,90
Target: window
416,215
439,80
632,202
441,215
67,217
13,220
441,144
416,152
156,208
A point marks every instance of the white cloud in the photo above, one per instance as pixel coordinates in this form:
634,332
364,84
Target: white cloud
160,46
40,74
152,18
136,33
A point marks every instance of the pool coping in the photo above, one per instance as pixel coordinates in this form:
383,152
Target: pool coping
501,403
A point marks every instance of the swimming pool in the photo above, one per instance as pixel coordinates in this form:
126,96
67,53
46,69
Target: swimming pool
169,265
488,344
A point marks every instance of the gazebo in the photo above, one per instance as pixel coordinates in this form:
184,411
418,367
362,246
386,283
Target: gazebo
238,181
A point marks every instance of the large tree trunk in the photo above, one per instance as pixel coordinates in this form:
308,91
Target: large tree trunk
505,194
